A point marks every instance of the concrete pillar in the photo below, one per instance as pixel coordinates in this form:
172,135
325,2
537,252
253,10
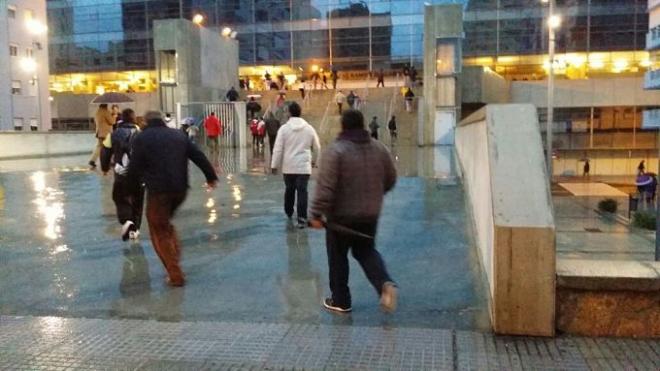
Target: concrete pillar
443,31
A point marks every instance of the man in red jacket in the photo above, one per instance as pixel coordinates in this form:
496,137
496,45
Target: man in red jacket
213,128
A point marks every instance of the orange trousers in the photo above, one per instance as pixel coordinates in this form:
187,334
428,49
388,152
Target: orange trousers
160,210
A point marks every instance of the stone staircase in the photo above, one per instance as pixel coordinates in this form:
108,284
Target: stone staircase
320,110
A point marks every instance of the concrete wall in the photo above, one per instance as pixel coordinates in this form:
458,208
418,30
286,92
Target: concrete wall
500,152
37,144
32,102
482,85
623,91
207,63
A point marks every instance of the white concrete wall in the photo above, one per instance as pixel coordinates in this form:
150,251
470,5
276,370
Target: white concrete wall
623,91
503,168
38,144
32,103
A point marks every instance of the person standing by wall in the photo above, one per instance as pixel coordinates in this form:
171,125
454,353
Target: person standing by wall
127,194
213,128
232,95
296,146
340,98
272,126
356,172
381,78
104,122
160,159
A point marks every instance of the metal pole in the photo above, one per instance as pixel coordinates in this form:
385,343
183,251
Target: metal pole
290,31
330,34
370,39
591,129
551,89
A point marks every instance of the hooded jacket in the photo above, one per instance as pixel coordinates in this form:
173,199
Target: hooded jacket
293,147
355,174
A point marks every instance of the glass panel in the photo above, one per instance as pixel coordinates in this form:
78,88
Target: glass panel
445,57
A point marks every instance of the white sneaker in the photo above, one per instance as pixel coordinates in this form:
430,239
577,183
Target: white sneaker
126,229
134,235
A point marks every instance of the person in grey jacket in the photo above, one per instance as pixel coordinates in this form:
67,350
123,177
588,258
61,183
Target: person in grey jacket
356,172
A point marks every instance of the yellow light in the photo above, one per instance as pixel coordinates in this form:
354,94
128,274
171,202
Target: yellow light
100,90
35,27
198,19
315,68
554,21
28,64
645,63
576,60
226,32
596,64
620,65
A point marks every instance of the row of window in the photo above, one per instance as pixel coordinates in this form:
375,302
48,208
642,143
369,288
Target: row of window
11,13
19,121
13,51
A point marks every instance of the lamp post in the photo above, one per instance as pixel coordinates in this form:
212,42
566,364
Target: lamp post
553,22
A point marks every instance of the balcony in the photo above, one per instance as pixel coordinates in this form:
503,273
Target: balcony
653,38
651,119
652,80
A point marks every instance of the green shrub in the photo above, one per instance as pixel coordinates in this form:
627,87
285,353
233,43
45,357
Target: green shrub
608,205
644,219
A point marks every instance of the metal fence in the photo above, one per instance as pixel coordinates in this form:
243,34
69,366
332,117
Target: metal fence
232,116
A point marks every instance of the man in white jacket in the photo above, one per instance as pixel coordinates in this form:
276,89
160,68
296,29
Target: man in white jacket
294,157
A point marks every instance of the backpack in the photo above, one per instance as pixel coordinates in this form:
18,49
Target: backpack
254,127
123,137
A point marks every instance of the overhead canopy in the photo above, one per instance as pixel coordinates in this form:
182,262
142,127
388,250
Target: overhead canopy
110,98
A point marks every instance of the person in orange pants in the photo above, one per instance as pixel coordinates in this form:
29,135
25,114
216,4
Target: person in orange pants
160,159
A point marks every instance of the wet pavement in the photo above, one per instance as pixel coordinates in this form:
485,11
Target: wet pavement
60,253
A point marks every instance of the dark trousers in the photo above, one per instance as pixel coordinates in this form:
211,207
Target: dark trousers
129,200
296,184
339,107
364,251
380,83
161,207
271,142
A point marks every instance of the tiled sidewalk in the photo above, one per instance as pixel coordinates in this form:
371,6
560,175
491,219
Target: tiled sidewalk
53,343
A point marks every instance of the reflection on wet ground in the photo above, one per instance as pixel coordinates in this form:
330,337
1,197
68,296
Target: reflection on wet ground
60,253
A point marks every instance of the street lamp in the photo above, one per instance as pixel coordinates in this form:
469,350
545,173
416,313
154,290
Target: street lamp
554,21
226,32
198,19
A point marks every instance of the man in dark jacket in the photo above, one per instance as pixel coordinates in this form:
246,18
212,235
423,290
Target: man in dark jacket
272,126
160,159
253,108
355,174
232,95
127,194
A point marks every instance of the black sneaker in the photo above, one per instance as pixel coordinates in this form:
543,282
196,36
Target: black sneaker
126,230
92,164
302,223
330,305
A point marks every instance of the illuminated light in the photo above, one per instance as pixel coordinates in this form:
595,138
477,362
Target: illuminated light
645,63
50,99
620,65
554,21
315,68
210,203
28,64
507,59
596,64
236,207
576,60
35,27
198,19
226,32
100,90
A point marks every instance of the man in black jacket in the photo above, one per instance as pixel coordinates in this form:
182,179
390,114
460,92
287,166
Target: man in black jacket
272,126
232,95
127,194
160,159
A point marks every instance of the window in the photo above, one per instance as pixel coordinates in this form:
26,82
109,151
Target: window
16,87
34,124
29,15
13,50
11,11
29,52
18,123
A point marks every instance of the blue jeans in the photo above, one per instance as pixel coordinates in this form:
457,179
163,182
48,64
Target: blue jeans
296,184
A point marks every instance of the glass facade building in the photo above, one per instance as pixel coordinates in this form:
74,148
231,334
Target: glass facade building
112,38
